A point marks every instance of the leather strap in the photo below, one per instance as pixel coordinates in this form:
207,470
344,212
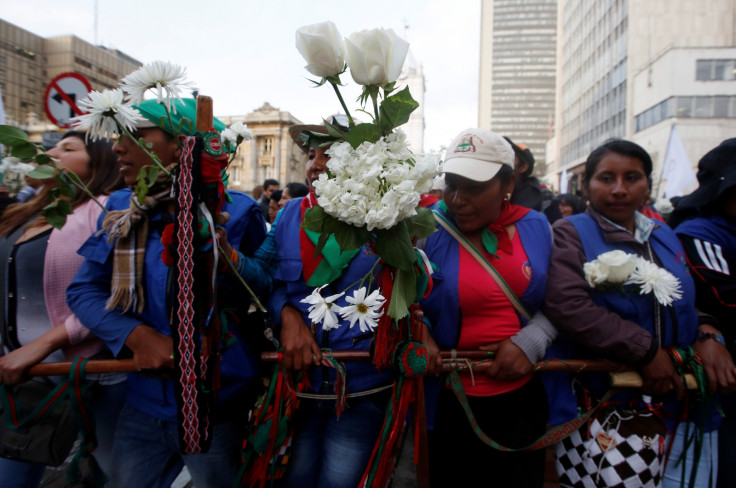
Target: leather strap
505,288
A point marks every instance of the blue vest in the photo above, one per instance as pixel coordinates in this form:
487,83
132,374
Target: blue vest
442,307
680,321
361,375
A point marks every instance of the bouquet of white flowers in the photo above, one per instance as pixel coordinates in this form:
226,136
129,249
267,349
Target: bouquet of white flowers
616,270
373,182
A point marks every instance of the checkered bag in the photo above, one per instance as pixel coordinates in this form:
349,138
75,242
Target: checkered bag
623,448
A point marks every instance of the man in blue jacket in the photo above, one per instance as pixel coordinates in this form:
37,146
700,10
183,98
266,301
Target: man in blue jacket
123,294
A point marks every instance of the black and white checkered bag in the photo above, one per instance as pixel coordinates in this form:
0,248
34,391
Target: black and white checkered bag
621,448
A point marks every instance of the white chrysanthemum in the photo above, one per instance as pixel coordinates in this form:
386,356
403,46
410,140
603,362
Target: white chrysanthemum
652,278
107,113
323,310
375,185
362,309
168,80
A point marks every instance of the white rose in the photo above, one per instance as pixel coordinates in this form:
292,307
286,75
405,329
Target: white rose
321,45
375,56
620,265
595,273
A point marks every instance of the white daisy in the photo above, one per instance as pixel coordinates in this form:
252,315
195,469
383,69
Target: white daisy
652,278
364,310
167,79
323,309
108,112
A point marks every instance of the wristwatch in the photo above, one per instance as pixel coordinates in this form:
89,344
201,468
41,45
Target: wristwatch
702,336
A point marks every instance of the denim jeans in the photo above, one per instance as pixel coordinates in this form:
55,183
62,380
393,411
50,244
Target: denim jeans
20,474
707,464
146,453
330,452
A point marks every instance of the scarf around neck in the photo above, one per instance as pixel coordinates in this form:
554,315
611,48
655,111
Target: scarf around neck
325,267
495,236
129,230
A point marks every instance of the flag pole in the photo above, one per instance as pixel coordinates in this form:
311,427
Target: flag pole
666,158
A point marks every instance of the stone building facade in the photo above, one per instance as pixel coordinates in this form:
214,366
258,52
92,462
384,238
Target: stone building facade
271,154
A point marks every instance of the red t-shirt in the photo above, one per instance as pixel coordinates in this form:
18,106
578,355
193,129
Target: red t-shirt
487,315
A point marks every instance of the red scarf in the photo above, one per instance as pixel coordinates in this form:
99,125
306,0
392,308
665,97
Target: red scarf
510,214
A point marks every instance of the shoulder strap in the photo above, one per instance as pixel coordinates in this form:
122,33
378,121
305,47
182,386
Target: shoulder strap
505,288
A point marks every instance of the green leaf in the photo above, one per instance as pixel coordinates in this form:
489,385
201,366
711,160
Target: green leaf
422,224
395,247
42,172
25,150
72,176
334,131
314,219
363,132
42,158
56,212
65,206
68,191
152,175
348,236
141,185
403,294
396,109
12,136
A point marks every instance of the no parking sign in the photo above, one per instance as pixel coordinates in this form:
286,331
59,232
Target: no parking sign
61,98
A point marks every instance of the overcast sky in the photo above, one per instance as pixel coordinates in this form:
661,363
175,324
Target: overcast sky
241,52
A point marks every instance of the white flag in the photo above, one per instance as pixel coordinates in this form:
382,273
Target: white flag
563,181
676,168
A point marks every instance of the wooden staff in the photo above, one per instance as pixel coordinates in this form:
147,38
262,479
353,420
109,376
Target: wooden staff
621,376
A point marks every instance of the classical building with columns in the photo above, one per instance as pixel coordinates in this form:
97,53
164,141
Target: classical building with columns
271,153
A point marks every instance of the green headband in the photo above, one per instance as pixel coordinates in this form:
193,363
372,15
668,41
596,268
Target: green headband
155,113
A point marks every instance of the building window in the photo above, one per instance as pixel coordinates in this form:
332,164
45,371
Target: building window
701,107
266,146
715,69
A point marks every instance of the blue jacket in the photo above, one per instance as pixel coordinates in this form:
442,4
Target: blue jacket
90,290
442,307
290,288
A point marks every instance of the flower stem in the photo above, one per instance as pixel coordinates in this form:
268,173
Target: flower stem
171,123
240,278
342,102
76,181
374,97
152,155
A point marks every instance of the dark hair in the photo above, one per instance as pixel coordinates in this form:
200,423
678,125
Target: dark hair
270,182
297,190
505,174
578,206
104,179
276,195
618,146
